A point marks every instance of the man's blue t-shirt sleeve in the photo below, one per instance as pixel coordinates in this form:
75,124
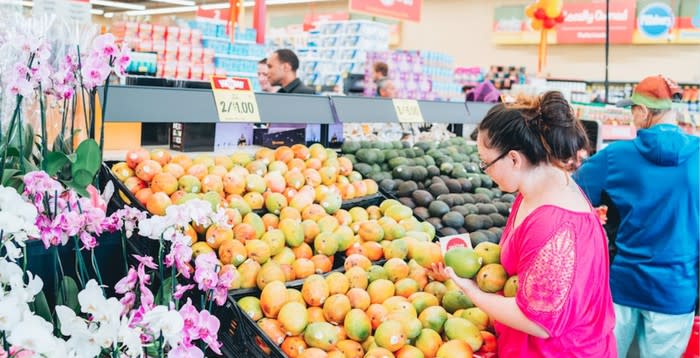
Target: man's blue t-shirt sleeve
591,176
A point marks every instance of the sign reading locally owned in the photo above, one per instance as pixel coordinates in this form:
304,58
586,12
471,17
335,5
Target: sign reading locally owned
394,9
631,22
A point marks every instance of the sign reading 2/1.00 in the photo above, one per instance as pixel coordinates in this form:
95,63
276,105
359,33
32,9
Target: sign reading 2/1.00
408,111
235,100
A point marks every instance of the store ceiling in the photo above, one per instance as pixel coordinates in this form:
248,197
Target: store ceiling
111,8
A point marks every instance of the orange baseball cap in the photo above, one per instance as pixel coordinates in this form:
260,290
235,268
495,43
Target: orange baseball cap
656,92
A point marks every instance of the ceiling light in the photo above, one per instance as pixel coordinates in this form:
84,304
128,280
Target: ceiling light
163,10
117,4
177,2
27,3
109,15
225,5
97,11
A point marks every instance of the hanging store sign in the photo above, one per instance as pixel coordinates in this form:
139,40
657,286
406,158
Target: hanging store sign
585,22
395,9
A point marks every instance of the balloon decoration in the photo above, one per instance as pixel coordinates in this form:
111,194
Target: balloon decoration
544,15
235,9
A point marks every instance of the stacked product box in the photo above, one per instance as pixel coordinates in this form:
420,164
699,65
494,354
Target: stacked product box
416,74
179,50
340,47
469,76
238,59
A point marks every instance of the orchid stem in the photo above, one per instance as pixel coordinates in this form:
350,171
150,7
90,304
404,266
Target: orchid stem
82,91
126,264
172,286
102,118
82,272
97,269
160,266
44,141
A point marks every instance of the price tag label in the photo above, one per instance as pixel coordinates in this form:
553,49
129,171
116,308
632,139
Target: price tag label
453,241
408,111
235,99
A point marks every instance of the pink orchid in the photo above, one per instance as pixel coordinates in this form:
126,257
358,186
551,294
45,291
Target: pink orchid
144,278
221,289
207,261
137,317
146,261
186,352
181,290
180,255
206,279
20,87
127,283
50,234
104,45
112,223
146,298
127,302
38,182
89,241
95,198
189,314
70,222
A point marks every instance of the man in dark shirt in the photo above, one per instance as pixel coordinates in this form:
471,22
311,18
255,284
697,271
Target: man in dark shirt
283,65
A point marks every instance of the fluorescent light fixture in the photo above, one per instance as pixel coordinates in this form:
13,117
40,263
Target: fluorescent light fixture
225,5
117,4
163,10
97,11
177,2
109,15
27,3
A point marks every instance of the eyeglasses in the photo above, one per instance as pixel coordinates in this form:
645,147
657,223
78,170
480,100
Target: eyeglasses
483,165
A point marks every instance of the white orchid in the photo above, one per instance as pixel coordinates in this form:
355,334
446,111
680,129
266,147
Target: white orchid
33,333
9,272
9,314
17,222
131,337
91,298
169,323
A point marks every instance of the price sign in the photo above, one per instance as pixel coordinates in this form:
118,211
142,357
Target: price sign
408,111
235,100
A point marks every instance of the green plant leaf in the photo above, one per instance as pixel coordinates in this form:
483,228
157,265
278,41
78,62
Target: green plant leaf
88,156
41,307
72,157
7,175
70,288
82,177
78,189
167,290
54,162
29,141
152,350
29,166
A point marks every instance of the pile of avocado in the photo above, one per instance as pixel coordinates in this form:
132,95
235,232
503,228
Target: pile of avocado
441,182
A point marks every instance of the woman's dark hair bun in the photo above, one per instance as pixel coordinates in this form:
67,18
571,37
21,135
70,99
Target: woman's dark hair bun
544,128
556,111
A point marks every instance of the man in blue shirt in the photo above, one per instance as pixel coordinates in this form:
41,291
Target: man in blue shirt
653,182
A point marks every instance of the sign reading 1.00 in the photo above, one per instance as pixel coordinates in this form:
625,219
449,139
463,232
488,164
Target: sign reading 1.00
235,100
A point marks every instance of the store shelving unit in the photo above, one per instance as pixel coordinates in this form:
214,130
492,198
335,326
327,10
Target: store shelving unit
145,104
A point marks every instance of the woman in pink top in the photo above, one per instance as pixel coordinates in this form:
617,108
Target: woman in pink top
553,240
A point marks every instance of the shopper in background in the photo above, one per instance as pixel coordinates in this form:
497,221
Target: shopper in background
283,65
380,70
653,182
264,81
386,88
553,239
